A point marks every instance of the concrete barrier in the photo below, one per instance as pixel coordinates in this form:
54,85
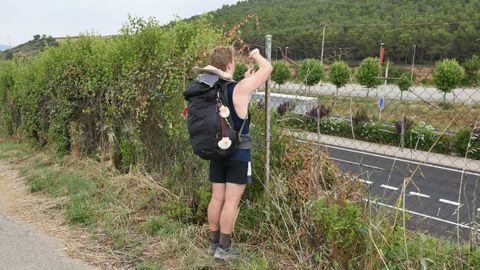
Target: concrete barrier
302,104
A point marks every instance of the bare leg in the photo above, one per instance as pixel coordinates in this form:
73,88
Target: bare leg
215,206
233,194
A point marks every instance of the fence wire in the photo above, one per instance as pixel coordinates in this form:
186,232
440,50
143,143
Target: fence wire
416,145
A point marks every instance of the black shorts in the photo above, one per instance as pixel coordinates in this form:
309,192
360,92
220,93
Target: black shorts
230,171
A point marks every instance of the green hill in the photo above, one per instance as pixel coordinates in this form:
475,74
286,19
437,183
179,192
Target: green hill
4,47
439,28
30,48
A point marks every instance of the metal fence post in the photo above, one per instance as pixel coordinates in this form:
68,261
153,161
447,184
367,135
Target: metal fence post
268,54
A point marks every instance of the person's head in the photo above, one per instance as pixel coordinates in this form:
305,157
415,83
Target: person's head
223,58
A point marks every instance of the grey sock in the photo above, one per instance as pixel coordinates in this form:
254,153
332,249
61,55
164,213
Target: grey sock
215,237
225,240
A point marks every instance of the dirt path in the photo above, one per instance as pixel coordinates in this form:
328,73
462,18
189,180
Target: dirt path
33,233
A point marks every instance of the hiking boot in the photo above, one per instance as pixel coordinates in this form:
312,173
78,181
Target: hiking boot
226,254
212,247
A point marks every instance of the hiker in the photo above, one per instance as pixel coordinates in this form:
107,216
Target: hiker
229,175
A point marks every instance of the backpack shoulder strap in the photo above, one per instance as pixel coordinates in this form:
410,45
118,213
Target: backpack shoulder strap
230,102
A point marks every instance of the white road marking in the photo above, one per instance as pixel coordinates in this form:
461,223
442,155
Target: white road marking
449,202
356,163
422,215
401,159
365,181
389,187
419,194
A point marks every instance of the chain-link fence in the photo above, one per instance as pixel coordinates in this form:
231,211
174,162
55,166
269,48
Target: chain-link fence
413,146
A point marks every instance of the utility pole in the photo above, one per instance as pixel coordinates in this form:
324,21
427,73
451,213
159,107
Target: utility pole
413,62
340,56
323,43
286,54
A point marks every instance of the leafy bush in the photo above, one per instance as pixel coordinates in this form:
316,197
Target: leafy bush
404,84
342,226
377,132
281,72
368,73
467,143
339,74
240,70
118,95
360,116
394,72
447,75
335,127
406,122
321,112
421,137
311,72
285,108
472,71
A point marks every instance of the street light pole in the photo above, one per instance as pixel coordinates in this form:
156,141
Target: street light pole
323,43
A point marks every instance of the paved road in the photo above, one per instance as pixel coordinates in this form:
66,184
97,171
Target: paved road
426,93
432,197
22,247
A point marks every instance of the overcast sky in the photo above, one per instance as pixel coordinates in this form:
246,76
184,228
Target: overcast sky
20,20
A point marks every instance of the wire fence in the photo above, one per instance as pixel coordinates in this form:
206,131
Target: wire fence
414,149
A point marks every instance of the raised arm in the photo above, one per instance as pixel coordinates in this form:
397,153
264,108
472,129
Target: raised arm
254,80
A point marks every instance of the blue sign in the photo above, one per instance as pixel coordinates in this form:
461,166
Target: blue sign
381,102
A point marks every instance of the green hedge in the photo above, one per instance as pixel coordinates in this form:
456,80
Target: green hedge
119,96
421,136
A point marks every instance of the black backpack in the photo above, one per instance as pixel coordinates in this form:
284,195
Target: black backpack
207,128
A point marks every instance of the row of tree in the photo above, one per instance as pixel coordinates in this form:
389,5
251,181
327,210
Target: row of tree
447,74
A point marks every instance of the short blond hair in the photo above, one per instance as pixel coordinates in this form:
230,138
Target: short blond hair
220,57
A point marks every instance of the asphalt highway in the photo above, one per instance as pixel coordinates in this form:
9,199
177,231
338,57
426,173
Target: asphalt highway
438,199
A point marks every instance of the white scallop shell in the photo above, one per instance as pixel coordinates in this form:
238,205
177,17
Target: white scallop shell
224,111
225,143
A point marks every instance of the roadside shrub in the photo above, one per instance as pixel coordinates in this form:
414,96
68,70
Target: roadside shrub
285,108
336,127
9,121
404,84
447,75
421,137
407,124
120,95
443,144
368,73
319,111
472,71
377,132
339,74
393,72
467,143
341,226
311,72
281,72
240,70
360,116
